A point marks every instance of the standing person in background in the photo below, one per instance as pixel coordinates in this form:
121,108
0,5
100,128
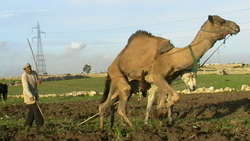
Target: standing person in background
30,93
3,91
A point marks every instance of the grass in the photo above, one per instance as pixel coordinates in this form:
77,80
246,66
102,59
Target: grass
222,81
97,84
61,125
12,122
9,81
65,86
248,123
217,81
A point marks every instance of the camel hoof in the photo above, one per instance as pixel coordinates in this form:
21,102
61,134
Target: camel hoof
161,115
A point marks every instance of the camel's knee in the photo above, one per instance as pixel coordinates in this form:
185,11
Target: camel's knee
172,100
161,106
176,98
125,88
114,96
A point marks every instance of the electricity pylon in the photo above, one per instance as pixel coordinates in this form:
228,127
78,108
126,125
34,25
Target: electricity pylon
40,59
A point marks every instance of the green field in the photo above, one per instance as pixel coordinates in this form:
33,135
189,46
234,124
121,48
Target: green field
97,84
218,81
65,86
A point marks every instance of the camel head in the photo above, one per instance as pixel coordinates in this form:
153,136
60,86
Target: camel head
189,79
219,28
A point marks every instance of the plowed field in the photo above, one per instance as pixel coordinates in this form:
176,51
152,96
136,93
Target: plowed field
198,117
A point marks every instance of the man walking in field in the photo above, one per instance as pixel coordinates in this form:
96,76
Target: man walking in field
30,93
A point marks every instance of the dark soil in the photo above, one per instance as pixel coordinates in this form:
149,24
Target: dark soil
198,117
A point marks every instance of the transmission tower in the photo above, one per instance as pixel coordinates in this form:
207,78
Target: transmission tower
40,59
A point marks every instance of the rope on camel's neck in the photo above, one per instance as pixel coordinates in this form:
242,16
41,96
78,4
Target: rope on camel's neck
196,62
223,43
195,65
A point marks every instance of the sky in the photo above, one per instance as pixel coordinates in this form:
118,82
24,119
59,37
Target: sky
79,32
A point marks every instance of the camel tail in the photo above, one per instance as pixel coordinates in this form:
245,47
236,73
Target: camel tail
106,89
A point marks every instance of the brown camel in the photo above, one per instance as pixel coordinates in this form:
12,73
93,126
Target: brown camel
162,69
146,48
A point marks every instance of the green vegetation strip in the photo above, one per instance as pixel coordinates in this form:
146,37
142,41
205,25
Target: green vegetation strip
97,84
65,86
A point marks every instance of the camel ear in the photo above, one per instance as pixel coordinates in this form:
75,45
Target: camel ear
210,18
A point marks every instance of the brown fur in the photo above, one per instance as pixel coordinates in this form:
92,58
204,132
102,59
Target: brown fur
143,54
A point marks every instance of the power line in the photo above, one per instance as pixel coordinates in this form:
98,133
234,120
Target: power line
136,26
40,59
110,27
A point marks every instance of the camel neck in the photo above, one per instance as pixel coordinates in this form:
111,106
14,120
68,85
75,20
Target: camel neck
201,44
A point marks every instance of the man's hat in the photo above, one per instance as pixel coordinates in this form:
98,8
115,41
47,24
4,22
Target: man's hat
26,66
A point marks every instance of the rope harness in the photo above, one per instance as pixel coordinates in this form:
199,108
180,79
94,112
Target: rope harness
196,64
196,61
222,44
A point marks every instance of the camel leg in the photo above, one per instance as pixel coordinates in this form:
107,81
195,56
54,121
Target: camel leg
112,111
105,105
161,100
112,117
165,88
161,106
170,108
151,99
170,119
124,93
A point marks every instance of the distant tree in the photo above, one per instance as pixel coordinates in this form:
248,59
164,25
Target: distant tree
86,68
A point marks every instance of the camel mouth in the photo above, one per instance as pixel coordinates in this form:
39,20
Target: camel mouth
235,30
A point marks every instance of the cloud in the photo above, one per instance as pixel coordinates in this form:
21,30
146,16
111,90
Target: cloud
7,14
97,1
12,13
77,46
3,44
74,48
113,1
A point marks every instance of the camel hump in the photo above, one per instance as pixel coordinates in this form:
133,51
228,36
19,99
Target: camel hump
164,45
139,33
141,51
